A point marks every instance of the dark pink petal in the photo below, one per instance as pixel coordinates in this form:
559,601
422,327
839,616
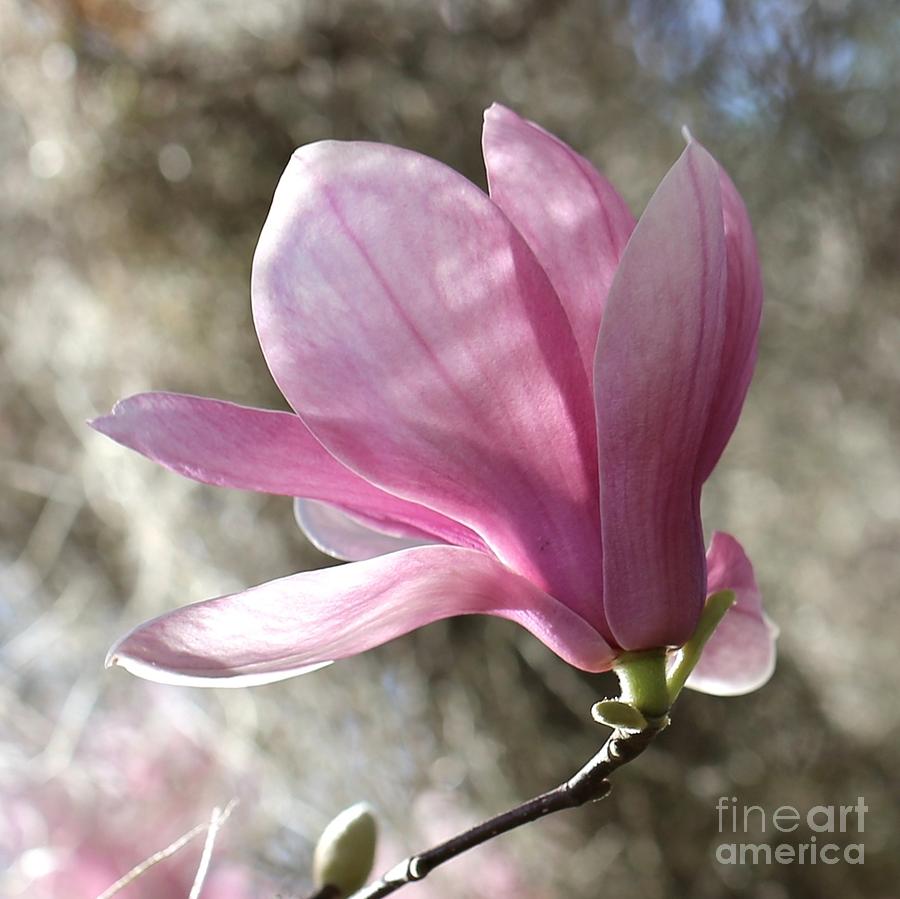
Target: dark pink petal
345,536
656,374
413,330
571,216
743,300
301,622
255,449
740,655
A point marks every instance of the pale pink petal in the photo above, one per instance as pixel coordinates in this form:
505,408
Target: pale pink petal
345,536
411,327
656,373
255,449
743,298
298,623
740,655
571,216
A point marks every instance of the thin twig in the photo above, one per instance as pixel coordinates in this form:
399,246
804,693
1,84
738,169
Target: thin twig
587,785
154,859
217,819
162,855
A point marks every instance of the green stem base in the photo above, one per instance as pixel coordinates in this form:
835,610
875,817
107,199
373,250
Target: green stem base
642,675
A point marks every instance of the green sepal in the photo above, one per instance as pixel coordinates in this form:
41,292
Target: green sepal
689,654
619,715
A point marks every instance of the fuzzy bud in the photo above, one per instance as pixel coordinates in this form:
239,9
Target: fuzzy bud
345,852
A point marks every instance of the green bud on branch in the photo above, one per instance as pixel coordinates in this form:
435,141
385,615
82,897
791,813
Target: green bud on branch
345,852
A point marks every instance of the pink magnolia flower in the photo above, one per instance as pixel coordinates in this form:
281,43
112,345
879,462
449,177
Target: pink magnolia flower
504,404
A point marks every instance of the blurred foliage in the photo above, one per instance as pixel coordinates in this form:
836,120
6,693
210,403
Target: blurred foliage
140,144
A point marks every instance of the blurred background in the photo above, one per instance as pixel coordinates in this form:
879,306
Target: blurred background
140,144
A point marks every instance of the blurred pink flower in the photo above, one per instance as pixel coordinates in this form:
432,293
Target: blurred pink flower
504,404
123,798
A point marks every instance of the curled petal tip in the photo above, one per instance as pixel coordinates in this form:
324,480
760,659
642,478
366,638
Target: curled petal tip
221,678
119,406
686,134
496,109
98,422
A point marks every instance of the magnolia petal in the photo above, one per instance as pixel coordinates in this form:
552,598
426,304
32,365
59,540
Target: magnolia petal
411,327
740,655
252,678
344,536
284,627
256,449
743,301
570,215
656,372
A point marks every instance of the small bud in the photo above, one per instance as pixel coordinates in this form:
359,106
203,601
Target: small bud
621,715
345,852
